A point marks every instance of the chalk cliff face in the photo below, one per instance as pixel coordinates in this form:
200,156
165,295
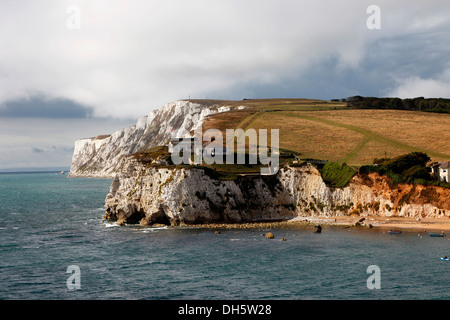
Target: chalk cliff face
148,195
102,156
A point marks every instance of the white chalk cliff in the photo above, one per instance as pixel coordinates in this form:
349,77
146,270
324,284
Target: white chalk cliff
102,156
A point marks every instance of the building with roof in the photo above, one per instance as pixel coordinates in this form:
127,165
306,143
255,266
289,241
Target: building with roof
441,171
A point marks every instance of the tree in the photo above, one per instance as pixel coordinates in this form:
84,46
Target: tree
400,164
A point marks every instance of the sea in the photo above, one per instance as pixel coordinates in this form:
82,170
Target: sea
54,245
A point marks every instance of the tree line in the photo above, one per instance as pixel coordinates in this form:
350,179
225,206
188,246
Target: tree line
439,105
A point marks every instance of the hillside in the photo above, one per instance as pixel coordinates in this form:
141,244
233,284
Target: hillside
332,131
327,130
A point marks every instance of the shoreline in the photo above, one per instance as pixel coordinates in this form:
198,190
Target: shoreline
384,224
389,223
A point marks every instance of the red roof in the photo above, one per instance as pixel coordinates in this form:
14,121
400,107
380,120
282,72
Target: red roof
445,165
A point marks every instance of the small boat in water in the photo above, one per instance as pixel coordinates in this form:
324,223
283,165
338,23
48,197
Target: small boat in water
445,259
437,235
395,232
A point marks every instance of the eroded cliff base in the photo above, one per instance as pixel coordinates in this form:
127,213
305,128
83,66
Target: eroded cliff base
176,195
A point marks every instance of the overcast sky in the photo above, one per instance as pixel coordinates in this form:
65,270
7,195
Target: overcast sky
76,68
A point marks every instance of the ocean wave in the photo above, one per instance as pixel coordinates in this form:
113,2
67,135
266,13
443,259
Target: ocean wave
152,229
110,224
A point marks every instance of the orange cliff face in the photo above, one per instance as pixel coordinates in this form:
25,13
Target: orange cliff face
405,196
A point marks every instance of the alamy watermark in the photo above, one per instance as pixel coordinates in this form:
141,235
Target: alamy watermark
373,22
211,147
374,280
73,21
74,280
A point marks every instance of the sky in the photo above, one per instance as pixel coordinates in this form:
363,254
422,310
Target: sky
71,69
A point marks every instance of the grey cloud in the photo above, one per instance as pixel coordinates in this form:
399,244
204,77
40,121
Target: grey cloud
42,142
36,150
64,149
53,149
41,107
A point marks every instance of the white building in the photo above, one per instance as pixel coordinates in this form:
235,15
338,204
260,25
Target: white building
441,171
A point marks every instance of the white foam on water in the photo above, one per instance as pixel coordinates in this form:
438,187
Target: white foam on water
110,224
158,228
151,229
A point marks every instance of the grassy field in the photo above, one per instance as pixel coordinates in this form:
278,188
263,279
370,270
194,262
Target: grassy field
330,131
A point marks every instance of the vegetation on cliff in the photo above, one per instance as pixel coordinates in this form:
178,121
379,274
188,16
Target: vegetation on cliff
161,157
408,168
337,175
154,156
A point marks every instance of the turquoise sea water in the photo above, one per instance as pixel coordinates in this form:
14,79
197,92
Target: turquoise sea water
49,222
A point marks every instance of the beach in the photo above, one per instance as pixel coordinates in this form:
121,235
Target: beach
373,222
402,223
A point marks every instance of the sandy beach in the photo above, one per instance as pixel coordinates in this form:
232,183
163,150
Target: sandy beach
383,224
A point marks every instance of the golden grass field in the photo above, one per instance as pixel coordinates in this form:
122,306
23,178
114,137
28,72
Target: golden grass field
330,131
